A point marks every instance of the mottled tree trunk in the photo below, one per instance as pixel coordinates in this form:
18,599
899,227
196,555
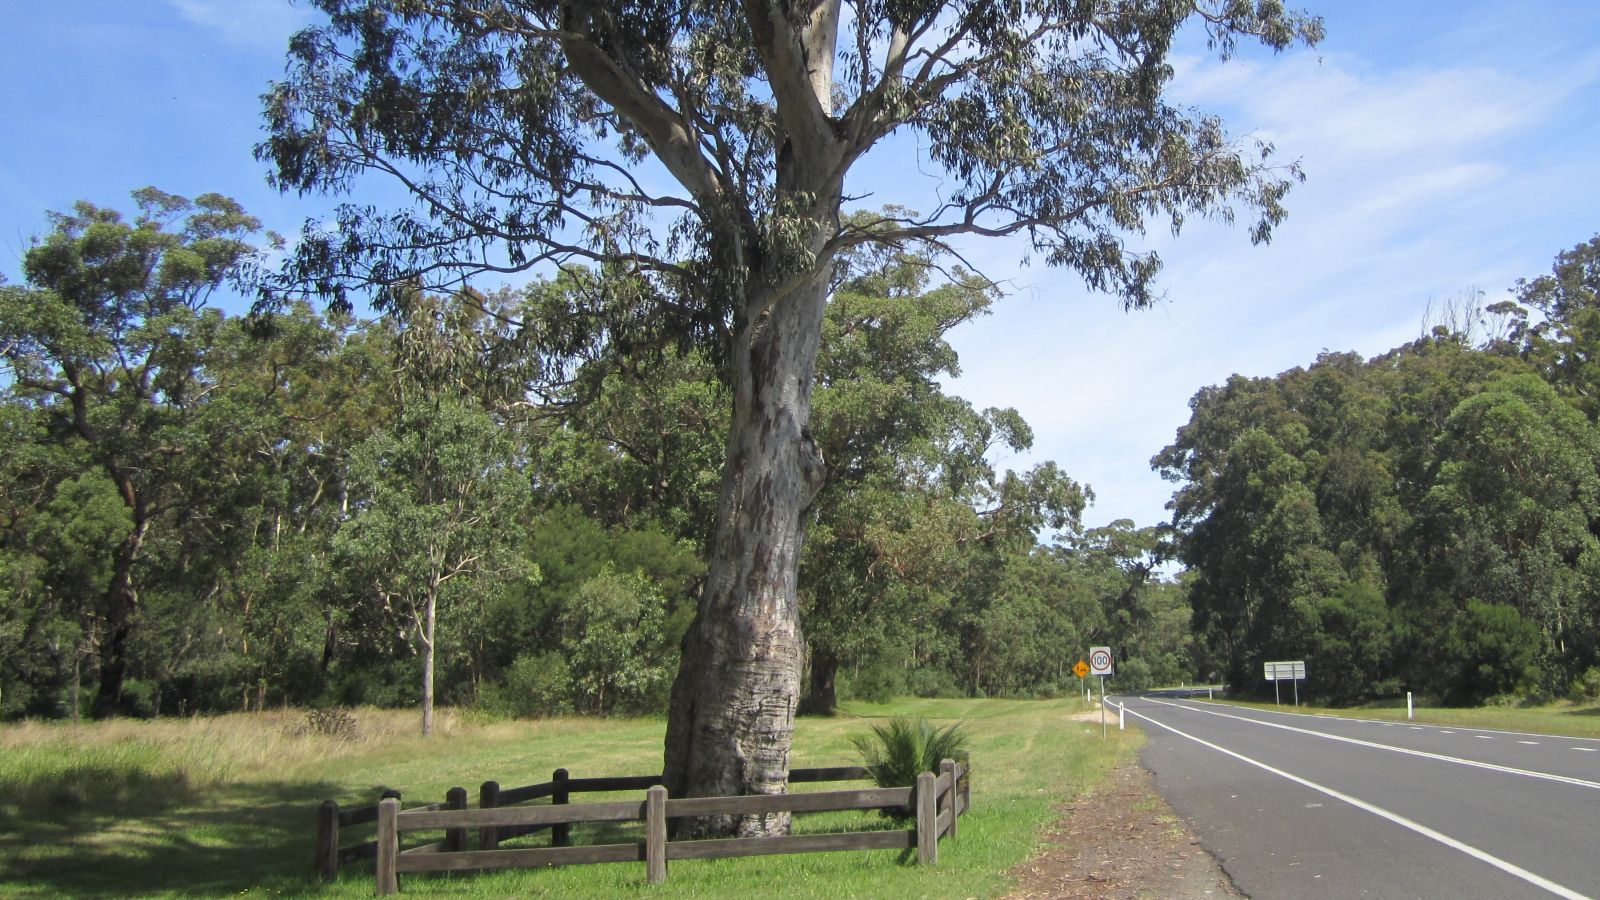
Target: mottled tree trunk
822,694
120,601
734,700
731,720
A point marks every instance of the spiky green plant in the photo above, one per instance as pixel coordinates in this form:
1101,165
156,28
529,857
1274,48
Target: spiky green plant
901,749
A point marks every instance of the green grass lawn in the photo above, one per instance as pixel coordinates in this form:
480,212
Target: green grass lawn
226,805
1560,718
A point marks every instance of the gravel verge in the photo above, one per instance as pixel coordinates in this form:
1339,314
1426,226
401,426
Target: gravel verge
1120,841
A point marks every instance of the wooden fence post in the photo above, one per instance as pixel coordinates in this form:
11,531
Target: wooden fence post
927,820
966,785
561,834
655,835
388,846
488,798
947,767
326,862
455,839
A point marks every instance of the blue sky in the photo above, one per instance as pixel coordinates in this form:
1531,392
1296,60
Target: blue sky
1449,146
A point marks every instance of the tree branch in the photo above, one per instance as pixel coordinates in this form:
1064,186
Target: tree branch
799,66
667,133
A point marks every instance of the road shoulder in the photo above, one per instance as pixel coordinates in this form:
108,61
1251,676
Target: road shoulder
1121,840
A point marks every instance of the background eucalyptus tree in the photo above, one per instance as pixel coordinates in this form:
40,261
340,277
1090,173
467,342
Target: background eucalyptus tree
105,348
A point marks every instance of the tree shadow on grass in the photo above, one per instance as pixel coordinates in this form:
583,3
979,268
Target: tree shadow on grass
227,841
80,789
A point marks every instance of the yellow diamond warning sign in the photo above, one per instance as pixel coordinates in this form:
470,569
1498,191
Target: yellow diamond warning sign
1081,669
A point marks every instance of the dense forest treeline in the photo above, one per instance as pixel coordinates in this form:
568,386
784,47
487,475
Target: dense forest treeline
474,499
1424,520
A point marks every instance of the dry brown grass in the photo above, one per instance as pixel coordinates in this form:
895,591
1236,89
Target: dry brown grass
205,750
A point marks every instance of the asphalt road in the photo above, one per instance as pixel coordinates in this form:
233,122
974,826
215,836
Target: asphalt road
1309,806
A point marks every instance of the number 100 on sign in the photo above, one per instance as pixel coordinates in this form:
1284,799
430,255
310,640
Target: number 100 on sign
1100,661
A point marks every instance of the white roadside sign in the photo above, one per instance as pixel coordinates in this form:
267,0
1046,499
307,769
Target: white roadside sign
1292,670
1100,661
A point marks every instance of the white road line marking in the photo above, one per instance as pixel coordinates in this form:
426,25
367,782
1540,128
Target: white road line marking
1504,866
1509,770
1279,712
1483,737
1529,743
1586,749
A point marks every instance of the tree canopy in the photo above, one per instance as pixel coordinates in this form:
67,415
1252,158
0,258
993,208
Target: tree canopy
104,347
1425,518
344,477
520,129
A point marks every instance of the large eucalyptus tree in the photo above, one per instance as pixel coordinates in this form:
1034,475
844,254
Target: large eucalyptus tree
707,146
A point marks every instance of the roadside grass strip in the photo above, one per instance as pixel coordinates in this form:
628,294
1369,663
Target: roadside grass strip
1442,728
1509,868
223,806
1492,767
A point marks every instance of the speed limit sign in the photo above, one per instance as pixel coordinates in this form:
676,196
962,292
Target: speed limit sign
1100,661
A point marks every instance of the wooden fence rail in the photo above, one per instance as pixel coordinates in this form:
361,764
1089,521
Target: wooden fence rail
938,801
331,819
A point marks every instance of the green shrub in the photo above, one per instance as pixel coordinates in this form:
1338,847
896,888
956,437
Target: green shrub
900,750
1587,686
613,641
536,686
139,698
876,683
932,683
1048,690
389,684
1490,649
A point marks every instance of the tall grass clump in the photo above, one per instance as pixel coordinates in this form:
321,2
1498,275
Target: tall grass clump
56,779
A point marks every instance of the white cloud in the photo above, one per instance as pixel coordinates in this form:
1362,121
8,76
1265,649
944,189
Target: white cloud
1331,103
246,22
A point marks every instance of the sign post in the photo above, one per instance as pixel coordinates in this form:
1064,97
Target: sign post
1100,663
1082,671
1292,670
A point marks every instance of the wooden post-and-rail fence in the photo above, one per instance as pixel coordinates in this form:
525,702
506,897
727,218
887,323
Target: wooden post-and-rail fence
937,801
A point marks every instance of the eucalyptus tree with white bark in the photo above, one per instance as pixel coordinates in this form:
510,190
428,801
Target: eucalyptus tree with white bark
433,498
521,130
